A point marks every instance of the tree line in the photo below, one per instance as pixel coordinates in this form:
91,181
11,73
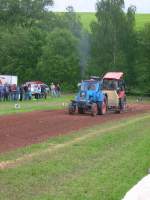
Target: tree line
37,44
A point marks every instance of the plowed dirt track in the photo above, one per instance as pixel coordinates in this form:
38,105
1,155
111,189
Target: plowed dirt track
25,129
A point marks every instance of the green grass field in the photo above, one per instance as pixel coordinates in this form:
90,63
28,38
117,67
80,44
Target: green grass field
8,108
28,106
48,104
100,163
87,18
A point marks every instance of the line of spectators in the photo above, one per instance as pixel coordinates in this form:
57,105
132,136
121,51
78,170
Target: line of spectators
26,91
23,92
9,92
55,90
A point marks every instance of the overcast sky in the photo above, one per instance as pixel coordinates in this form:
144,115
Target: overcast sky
143,6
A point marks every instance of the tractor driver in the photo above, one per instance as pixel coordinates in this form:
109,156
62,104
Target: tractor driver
91,87
114,84
110,84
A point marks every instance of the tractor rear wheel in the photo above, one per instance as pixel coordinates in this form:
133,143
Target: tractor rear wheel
103,107
94,109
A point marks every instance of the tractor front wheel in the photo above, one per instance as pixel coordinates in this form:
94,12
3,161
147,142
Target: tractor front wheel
94,109
71,109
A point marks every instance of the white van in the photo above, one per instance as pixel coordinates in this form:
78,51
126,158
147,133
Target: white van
8,79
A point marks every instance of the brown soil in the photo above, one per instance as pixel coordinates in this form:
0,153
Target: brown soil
20,130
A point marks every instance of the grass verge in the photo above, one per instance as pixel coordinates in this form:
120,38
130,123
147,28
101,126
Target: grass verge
102,166
50,103
7,108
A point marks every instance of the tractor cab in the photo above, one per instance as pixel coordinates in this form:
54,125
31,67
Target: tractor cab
114,88
89,85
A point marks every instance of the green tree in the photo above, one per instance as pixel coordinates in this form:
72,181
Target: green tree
23,28
60,61
19,52
71,21
130,47
23,12
112,37
143,60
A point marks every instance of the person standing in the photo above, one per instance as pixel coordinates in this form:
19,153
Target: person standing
29,92
53,92
42,91
39,91
21,93
1,91
26,92
17,93
45,93
58,90
36,91
6,92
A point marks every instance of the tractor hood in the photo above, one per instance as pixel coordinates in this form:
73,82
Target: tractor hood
88,95
90,91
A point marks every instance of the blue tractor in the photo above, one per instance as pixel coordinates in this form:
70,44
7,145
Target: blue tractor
90,99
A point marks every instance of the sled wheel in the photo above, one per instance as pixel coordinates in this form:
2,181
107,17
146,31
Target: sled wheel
94,109
104,108
122,105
